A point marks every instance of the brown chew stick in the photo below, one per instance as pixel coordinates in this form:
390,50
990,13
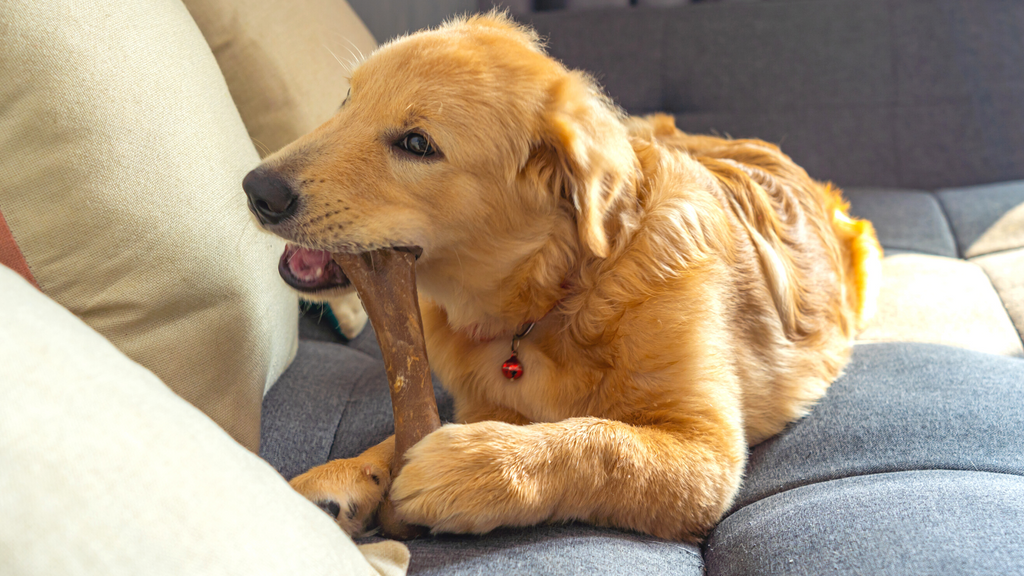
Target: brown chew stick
386,282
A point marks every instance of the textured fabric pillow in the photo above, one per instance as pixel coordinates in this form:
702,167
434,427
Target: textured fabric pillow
106,472
287,66
121,157
286,63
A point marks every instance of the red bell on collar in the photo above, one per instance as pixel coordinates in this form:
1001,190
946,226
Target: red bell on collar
512,368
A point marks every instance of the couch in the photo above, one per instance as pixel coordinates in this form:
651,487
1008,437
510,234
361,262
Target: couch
142,325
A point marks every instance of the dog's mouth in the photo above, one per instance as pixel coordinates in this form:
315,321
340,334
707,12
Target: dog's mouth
311,270
315,271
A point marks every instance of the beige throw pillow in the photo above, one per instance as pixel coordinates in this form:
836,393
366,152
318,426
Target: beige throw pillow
121,158
287,64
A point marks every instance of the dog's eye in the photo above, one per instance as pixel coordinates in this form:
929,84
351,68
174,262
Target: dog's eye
416,143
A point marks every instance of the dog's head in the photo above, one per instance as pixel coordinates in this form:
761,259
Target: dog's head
467,142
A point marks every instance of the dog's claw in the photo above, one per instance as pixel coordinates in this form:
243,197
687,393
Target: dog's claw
331,507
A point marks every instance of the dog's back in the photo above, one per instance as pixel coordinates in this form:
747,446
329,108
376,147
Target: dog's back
821,267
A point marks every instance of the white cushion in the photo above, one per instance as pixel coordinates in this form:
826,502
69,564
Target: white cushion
106,472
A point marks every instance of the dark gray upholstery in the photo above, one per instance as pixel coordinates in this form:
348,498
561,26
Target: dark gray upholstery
906,93
911,220
332,402
551,550
907,523
900,407
911,463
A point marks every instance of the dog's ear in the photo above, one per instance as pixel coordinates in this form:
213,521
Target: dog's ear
590,159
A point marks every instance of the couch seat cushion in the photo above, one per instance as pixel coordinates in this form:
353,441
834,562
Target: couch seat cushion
904,219
911,464
928,294
875,469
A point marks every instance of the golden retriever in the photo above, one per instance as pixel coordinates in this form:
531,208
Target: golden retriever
688,295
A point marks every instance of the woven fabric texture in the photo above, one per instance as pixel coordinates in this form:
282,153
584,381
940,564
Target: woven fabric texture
107,472
121,157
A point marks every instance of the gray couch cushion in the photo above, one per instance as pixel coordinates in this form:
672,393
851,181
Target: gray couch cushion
910,220
912,464
908,523
932,296
900,407
333,402
853,485
553,550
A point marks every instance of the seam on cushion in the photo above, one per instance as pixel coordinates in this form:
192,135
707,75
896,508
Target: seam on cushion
348,403
799,485
11,255
337,423
656,543
949,223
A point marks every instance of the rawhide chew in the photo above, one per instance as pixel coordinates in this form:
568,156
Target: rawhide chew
386,282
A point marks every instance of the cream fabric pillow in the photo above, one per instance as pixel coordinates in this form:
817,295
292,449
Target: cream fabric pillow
286,63
106,472
121,158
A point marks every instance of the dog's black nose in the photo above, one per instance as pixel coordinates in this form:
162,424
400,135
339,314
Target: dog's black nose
271,198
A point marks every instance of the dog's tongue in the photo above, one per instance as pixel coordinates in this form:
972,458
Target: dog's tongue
307,264
310,270
386,282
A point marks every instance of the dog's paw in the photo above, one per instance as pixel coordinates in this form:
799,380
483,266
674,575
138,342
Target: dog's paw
470,478
349,490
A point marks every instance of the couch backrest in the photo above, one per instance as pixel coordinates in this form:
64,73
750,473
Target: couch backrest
908,93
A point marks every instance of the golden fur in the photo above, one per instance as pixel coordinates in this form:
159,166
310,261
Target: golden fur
692,295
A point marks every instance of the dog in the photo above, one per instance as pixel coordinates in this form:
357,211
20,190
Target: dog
670,299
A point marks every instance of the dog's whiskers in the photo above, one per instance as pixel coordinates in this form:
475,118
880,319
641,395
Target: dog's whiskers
347,69
361,56
261,146
355,60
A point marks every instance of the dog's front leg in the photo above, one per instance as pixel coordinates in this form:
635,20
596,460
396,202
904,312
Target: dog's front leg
673,481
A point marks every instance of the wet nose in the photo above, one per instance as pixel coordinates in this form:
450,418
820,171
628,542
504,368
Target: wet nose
271,198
